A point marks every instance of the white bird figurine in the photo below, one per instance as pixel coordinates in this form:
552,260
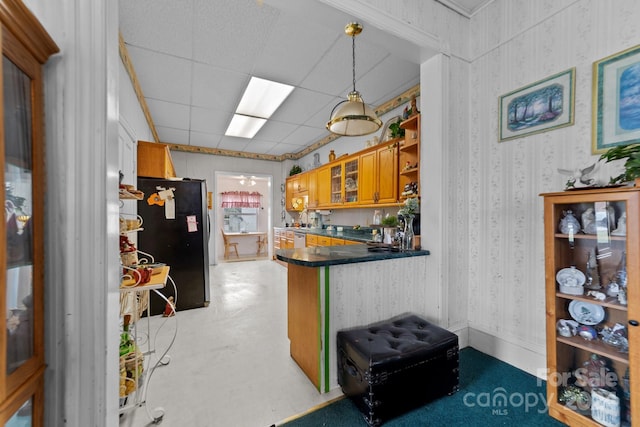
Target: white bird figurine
579,177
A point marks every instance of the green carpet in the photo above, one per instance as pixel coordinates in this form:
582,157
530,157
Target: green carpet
492,393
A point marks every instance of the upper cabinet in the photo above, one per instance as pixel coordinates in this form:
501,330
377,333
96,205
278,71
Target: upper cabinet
25,48
344,181
297,194
154,160
409,177
383,175
379,174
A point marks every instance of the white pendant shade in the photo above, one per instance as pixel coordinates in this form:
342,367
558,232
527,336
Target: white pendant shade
353,118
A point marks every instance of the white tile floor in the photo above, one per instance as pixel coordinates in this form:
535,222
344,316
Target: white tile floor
230,363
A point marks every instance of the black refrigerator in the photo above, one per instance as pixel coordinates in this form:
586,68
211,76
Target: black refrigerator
178,236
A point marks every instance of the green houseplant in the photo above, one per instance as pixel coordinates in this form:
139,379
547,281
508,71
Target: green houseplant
295,169
390,221
631,166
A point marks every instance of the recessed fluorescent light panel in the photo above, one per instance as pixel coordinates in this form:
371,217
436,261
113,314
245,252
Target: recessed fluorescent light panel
244,126
260,100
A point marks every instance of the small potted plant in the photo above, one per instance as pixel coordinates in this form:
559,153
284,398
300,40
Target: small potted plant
390,227
295,170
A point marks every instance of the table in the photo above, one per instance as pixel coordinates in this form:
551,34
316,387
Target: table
261,238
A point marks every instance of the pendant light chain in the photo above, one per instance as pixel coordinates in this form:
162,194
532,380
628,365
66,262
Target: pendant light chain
353,55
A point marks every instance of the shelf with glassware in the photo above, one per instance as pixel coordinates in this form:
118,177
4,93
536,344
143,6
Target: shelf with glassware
409,159
593,305
138,354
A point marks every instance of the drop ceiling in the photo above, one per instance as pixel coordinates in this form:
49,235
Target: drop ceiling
194,58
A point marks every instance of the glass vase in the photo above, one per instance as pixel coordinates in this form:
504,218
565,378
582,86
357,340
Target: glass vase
407,238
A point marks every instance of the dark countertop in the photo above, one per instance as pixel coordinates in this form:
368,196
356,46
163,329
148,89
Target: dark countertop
319,256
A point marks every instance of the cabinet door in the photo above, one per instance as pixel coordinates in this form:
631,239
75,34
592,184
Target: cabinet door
312,240
368,178
336,184
351,181
323,186
591,253
312,189
387,174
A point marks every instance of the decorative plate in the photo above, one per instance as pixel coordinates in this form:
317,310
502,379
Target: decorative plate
586,313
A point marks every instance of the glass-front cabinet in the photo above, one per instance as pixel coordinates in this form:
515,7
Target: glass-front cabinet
592,265
25,47
344,182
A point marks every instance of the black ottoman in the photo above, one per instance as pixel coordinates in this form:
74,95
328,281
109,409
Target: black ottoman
393,366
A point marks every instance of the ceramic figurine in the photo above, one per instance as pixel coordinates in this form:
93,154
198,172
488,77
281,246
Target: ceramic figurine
621,230
568,223
622,296
597,295
579,177
589,222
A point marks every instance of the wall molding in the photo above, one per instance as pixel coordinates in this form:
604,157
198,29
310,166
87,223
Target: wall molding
128,65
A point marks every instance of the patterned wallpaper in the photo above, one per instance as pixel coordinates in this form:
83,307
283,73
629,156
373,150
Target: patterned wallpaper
492,272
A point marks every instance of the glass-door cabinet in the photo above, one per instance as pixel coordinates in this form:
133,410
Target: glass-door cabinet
592,254
25,48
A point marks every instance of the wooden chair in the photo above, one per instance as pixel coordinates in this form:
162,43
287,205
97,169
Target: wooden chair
263,241
228,244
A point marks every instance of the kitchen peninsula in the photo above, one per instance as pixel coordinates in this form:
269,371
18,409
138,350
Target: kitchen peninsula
336,287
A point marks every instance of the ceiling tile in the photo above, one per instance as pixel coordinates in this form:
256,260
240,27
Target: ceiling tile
302,135
260,146
163,77
161,25
174,136
300,105
169,114
201,139
210,121
231,34
283,148
233,143
276,131
214,87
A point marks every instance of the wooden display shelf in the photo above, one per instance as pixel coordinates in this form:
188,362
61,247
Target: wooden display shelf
157,281
589,236
609,302
595,346
409,147
410,171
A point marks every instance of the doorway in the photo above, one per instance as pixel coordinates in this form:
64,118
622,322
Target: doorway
242,209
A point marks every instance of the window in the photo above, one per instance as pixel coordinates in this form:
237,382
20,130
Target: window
239,220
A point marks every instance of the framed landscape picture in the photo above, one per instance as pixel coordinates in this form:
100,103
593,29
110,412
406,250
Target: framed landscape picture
539,107
616,101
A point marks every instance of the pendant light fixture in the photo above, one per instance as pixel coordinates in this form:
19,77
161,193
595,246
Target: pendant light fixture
352,117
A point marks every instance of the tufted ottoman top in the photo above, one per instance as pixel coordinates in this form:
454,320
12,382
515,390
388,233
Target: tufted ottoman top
400,341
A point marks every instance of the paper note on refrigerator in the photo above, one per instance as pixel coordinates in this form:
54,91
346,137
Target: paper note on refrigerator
192,224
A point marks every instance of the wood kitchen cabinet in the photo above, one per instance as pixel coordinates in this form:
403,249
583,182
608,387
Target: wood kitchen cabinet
409,168
312,189
598,251
323,186
296,191
26,46
154,160
344,181
379,174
